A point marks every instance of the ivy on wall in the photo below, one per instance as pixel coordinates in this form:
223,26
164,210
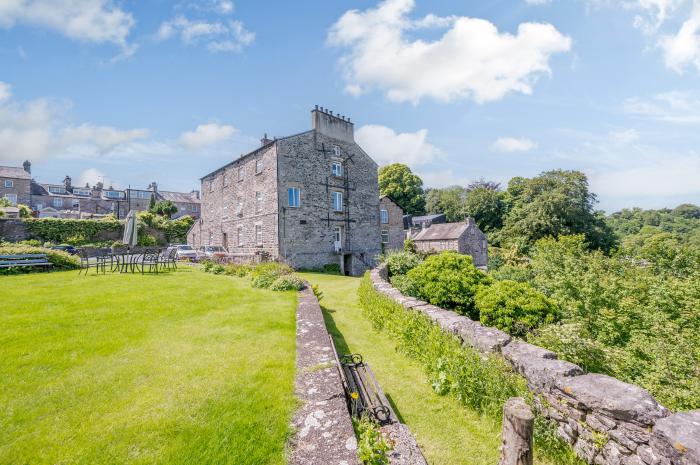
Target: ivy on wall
60,230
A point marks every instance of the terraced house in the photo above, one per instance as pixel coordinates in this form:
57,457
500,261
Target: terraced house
309,199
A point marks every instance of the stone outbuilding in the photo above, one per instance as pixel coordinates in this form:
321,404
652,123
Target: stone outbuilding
465,238
391,224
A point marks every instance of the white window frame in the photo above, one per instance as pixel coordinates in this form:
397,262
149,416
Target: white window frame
211,185
384,216
81,191
336,151
259,166
385,236
57,202
12,198
117,194
258,234
337,201
338,234
9,183
75,203
337,169
293,197
39,207
56,190
193,207
258,202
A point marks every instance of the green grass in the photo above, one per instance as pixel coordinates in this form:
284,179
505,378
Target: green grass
447,432
177,368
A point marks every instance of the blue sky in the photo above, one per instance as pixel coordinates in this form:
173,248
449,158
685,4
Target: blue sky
152,90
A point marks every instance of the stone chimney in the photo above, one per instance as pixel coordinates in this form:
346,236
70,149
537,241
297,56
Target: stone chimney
27,166
470,222
67,182
264,141
196,194
153,187
335,126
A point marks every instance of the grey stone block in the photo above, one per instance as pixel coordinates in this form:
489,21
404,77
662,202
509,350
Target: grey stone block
677,437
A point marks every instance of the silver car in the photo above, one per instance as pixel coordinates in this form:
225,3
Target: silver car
211,251
185,252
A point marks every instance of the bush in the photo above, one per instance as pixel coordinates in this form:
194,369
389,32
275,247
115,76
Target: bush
238,270
372,448
207,265
404,284
400,263
59,260
218,269
448,280
147,240
513,307
289,282
267,273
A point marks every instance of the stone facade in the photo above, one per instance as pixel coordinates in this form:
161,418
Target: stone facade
391,224
465,238
606,421
15,184
308,200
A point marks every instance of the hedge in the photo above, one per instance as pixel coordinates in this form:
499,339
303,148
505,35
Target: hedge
59,260
60,230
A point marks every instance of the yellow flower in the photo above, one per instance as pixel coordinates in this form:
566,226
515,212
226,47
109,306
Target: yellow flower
354,395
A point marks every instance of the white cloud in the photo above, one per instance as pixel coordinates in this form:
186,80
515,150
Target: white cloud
205,135
385,146
624,137
90,176
513,144
230,36
103,139
99,21
671,107
443,178
4,91
683,47
538,2
472,59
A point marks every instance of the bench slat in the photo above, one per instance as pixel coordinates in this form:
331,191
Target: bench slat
23,256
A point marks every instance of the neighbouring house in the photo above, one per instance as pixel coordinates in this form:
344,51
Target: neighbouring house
425,221
391,224
15,183
465,238
309,200
9,212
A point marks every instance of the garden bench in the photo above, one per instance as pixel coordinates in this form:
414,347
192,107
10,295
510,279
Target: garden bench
363,394
29,259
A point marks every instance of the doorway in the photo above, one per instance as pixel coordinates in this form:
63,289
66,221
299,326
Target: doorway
347,264
224,240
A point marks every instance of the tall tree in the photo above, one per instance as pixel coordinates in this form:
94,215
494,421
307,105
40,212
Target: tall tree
164,208
448,200
487,206
405,188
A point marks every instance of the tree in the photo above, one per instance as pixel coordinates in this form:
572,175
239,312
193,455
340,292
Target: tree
152,202
449,200
405,188
487,206
164,208
24,211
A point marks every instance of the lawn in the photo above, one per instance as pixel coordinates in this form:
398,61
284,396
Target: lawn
447,432
177,368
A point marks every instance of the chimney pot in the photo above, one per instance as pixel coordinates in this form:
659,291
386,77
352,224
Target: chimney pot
27,166
316,107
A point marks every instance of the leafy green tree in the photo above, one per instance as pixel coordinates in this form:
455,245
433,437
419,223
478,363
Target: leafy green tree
152,202
165,208
487,207
405,188
448,200
24,211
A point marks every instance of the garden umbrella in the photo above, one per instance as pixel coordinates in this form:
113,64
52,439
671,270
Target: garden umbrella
130,230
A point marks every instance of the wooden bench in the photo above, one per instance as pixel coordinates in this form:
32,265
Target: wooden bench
363,394
30,259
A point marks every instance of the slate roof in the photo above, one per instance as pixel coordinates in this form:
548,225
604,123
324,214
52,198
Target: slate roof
440,232
421,219
14,172
182,197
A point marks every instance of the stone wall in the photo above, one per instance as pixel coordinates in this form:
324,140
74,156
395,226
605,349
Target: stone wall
607,421
394,228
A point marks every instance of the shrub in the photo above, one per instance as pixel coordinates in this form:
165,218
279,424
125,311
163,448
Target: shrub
516,308
238,270
266,273
404,284
59,260
372,448
448,280
400,263
207,265
331,268
288,282
147,240
568,343
218,269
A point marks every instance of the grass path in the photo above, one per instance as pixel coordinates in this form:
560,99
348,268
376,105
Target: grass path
447,432
179,368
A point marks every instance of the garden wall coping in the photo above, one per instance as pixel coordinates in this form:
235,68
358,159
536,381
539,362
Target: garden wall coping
607,421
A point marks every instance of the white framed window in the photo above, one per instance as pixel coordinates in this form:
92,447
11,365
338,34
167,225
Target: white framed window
258,234
338,234
75,203
385,236
9,183
384,216
144,195
211,186
241,173
57,190
337,169
338,201
258,202
239,206
113,194
225,180
259,165
58,202
81,192
194,207
336,151
12,198
293,197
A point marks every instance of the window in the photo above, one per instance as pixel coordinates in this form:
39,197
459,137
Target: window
211,186
57,190
259,166
338,234
384,216
12,198
385,236
113,194
258,234
58,202
82,192
9,183
144,195
338,201
239,206
336,151
211,237
258,202
239,236
337,169
293,198
194,207
241,173
225,180
39,207
75,203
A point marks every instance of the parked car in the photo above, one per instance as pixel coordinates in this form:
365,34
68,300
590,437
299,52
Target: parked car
184,252
65,248
211,252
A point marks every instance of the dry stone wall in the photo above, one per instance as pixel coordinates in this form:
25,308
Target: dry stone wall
606,421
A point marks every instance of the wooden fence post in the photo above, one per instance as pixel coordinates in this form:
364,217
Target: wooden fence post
516,437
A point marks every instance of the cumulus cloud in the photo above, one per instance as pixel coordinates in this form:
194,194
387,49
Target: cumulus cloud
90,176
99,21
513,144
385,146
226,36
683,47
205,135
670,107
471,60
4,91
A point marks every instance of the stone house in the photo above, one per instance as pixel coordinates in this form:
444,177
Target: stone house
391,224
15,183
465,238
308,200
